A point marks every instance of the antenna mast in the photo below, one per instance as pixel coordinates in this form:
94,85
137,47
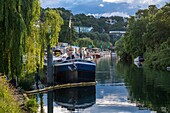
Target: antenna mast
70,26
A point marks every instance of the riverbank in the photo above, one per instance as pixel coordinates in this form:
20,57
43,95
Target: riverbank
11,99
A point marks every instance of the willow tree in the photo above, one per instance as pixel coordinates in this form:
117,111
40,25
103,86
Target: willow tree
13,29
16,20
51,26
33,41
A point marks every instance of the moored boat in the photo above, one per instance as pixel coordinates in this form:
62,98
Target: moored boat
138,61
74,70
168,68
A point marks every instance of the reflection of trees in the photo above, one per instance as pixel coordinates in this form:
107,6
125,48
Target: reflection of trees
104,64
148,88
41,103
102,70
105,72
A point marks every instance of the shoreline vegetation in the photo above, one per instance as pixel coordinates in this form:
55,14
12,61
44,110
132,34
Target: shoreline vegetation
12,100
147,35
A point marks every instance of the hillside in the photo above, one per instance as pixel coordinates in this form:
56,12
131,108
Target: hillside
100,28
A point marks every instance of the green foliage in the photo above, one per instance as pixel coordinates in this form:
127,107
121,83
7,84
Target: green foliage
64,35
32,106
65,14
23,34
99,25
18,36
8,104
147,35
27,82
98,39
85,42
52,26
159,59
119,47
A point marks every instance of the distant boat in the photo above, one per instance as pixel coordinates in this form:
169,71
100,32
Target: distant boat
114,54
138,64
138,61
96,53
74,71
55,60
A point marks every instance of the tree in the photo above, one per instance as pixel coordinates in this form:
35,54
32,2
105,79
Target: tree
23,36
85,42
52,23
148,35
15,26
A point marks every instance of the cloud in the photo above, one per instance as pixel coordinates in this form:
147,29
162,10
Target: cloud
101,5
139,2
72,3
110,14
118,1
65,3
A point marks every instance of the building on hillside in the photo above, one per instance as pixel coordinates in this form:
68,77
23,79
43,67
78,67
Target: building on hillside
117,33
81,29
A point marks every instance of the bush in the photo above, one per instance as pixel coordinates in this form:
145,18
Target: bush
8,103
26,82
32,106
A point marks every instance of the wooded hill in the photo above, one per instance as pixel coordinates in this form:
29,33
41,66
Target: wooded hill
100,32
99,24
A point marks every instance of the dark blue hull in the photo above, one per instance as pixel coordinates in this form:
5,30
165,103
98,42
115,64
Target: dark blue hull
74,72
75,98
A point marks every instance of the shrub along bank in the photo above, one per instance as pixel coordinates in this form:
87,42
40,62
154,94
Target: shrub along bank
8,103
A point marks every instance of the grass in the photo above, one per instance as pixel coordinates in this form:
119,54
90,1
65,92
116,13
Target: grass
8,103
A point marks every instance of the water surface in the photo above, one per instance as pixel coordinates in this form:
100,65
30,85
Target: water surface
121,88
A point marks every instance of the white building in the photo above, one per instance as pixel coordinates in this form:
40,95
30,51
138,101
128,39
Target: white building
117,33
81,29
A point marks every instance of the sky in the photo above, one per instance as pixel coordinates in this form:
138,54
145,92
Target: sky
105,8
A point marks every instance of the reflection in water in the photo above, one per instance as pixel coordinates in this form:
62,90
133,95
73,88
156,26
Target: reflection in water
75,98
50,101
148,88
41,103
68,99
106,72
120,88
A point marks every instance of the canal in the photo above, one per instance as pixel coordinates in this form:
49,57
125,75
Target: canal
121,88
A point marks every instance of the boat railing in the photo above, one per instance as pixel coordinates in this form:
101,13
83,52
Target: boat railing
77,60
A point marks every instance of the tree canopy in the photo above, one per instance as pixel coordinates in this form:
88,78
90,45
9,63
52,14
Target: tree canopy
148,35
23,36
100,26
